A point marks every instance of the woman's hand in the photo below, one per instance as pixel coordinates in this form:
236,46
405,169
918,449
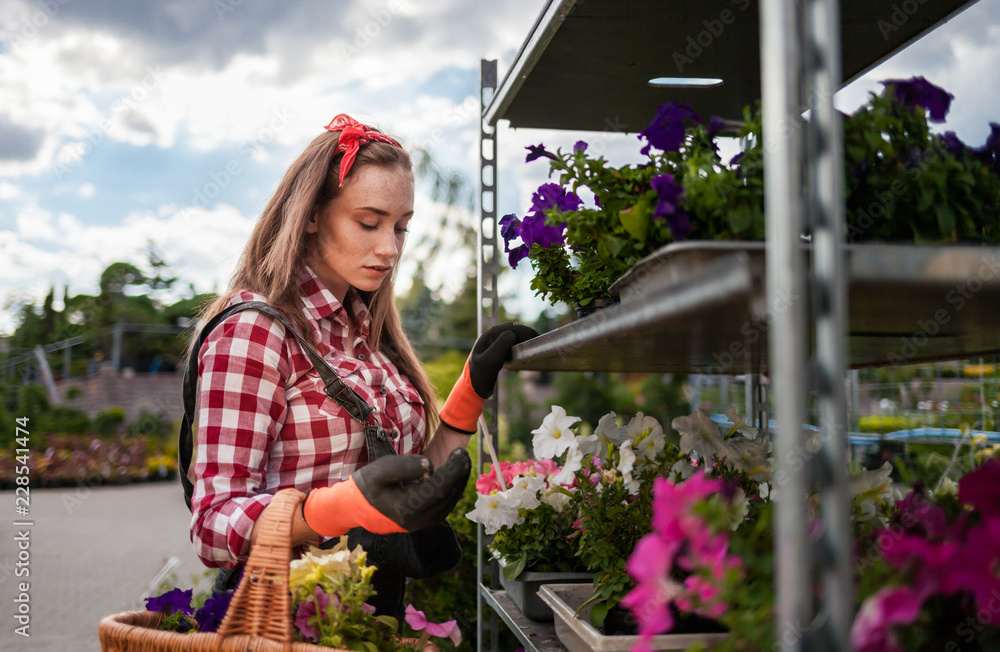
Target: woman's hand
479,378
396,493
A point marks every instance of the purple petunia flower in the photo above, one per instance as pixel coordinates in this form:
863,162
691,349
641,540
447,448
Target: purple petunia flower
517,254
538,151
171,601
669,194
989,153
715,125
952,143
210,615
666,132
733,162
918,92
534,230
580,146
551,195
510,226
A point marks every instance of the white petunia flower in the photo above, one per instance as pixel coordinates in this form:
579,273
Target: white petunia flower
649,435
573,463
739,424
606,434
699,433
557,499
764,490
626,466
740,510
524,492
495,511
868,488
554,436
747,455
684,468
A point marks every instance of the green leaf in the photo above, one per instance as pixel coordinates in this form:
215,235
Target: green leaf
598,613
388,620
946,221
636,219
511,571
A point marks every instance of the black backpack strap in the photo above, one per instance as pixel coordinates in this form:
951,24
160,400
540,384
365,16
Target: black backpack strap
335,387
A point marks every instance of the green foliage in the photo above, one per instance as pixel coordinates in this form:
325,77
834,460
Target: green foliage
32,401
156,424
108,422
592,395
444,370
612,522
903,183
752,625
544,542
885,423
63,419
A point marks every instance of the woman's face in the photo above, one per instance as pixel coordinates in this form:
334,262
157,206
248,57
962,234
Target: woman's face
360,234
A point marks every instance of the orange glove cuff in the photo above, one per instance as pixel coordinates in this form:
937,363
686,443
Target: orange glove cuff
332,511
462,409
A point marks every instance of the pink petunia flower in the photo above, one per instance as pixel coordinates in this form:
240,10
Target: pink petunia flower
872,629
307,610
418,621
978,487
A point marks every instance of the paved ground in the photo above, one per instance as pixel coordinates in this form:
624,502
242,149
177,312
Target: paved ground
92,553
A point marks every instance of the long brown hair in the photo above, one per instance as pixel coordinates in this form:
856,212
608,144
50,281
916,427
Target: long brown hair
279,246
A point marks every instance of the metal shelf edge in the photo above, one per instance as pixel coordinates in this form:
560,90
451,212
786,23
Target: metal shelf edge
536,637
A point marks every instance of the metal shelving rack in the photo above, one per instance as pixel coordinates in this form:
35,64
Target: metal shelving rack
685,316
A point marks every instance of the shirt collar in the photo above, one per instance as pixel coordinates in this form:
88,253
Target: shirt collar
320,303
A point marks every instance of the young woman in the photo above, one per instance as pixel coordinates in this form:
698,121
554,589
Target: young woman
324,253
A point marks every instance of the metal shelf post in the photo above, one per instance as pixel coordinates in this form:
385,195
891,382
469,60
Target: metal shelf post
781,38
488,308
829,305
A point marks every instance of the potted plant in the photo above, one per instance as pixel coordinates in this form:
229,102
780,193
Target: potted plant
903,183
525,506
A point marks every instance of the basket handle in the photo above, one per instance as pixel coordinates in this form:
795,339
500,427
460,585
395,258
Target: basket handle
262,605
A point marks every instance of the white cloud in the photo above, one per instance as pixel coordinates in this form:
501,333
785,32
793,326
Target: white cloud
201,247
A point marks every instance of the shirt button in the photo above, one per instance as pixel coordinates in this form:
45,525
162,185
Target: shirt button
361,357
382,391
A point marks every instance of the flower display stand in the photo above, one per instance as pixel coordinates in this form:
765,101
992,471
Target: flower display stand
604,54
577,634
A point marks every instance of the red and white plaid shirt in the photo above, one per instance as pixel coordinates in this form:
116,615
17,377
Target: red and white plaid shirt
265,423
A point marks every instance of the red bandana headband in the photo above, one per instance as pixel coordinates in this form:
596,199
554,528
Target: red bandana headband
353,135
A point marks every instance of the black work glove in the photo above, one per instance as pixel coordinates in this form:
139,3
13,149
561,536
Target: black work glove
491,351
395,493
479,378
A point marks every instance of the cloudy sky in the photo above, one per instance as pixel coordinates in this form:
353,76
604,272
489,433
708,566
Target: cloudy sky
124,123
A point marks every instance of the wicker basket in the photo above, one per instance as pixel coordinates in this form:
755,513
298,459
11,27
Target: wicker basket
259,616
